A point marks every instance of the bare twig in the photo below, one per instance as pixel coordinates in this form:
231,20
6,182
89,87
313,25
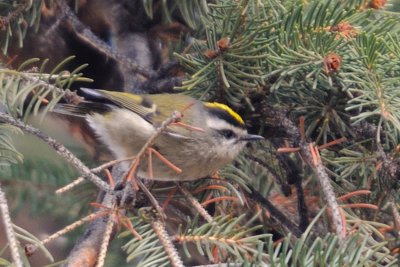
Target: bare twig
166,242
327,189
396,214
193,201
106,240
87,250
72,226
65,230
60,150
175,117
153,200
391,166
70,186
316,165
12,240
98,169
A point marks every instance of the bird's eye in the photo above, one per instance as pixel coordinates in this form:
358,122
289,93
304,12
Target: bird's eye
227,133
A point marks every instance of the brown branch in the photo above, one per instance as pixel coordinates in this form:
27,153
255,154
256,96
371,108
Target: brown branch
193,201
295,178
175,117
72,226
8,227
86,251
97,169
106,240
396,214
70,186
31,248
390,165
327,189
86,35
152,199
364,130
287,224
282,120
165,239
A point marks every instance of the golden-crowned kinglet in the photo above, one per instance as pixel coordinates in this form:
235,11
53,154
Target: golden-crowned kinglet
124,122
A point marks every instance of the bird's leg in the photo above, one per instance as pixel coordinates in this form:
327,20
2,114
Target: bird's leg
165,160
132,174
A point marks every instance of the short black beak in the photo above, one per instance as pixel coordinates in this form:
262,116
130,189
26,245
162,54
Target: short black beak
251,137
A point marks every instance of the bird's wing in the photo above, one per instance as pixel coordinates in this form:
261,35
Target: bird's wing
138,104
81,109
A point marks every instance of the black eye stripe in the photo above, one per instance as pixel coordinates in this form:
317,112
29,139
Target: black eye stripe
228,134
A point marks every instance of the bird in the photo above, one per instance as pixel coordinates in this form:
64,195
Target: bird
124,122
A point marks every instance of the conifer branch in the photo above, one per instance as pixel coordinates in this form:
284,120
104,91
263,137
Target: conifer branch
14,14
37,78
227,235
8,227
333,62
317,167
106,240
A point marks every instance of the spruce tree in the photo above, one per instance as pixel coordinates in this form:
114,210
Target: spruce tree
318,79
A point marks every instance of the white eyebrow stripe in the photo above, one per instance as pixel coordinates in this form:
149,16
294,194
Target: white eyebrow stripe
216,123
219,124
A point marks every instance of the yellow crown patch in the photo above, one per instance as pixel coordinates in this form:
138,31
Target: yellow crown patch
224,107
